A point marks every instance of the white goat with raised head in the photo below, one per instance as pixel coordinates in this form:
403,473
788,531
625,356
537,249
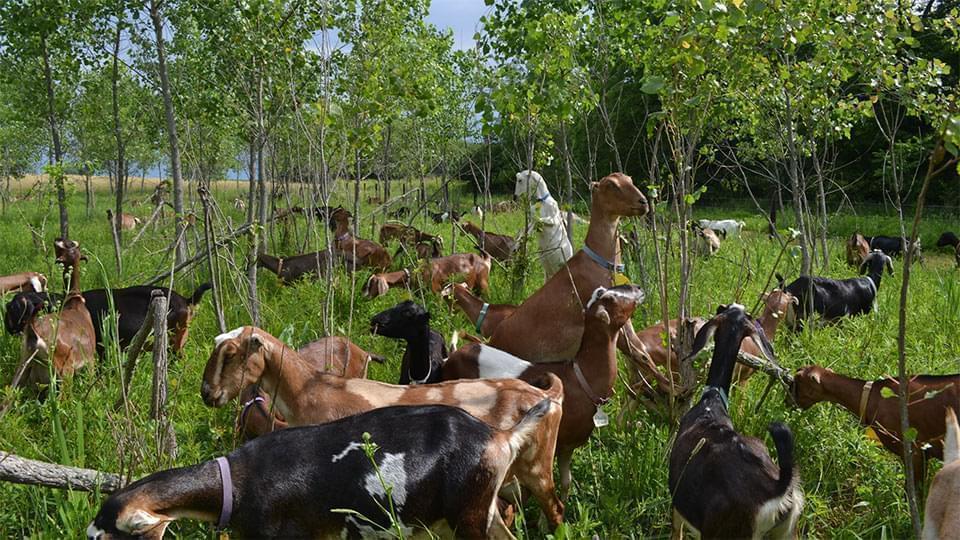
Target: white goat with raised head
555,246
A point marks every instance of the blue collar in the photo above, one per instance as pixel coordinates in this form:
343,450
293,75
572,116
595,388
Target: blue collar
601,261
721,391
545,197
483,315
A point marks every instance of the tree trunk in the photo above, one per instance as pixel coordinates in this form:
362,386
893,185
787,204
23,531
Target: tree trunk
38,473
55,135
793,170
170,115
569,177
118,135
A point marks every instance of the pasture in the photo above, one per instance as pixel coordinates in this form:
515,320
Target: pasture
853,487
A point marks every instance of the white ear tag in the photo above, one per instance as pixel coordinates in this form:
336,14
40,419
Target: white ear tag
600,418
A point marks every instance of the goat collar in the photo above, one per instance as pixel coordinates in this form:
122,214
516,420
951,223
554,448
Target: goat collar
723,395
247,406
482,316
597,400
545,197
280,266
611,266
864,399
226,480
343,236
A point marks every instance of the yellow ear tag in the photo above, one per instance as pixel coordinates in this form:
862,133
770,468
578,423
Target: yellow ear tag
871,434
620,279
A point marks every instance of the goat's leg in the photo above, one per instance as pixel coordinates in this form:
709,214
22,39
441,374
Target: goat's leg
676,532
564,457
543,489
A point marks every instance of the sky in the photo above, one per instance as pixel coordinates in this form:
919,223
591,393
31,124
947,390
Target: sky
461,16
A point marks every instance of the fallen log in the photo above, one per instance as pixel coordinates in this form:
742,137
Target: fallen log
31,472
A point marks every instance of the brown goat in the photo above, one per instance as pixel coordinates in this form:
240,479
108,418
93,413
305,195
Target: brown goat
379,284
365,252
500,246
128,222
471,268
67,339
929,397
305,395
335,354
485,317
942,515
857,249
24,281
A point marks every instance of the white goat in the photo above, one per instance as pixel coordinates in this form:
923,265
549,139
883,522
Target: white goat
555,247
729,227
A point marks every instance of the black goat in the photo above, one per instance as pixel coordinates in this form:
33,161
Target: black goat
893,246
437,463
21,308
724,484
836,298
948,239
426,349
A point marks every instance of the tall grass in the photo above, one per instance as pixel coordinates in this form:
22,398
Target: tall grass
853,486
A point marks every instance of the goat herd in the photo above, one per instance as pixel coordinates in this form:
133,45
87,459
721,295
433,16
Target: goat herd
466,431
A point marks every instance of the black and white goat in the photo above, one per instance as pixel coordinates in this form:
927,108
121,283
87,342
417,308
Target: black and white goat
724,484
836,298
892,245
426,349
442,466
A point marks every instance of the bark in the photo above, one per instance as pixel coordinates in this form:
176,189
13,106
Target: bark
55,135
118,135
170,116
39,473
211,249
166,438
569,177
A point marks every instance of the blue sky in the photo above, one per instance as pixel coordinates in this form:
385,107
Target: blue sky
460,16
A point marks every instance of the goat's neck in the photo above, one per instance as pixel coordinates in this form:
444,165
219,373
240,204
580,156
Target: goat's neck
270,262
842,390
189,492
343,229
602,234
723,361
541,190
875,278
597,358
469,303
285,375
419,348
769,323
74,287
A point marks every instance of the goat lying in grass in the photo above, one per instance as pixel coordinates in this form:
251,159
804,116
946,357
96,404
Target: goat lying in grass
876,405
23,282
333,354
942,514
587,379
426,349
724,484
305,396
442,467
363,252
836,298
379,284
290,269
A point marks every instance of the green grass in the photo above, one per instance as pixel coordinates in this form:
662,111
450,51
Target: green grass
853,487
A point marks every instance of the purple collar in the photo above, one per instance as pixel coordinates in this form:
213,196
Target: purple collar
226,480
343,236
246,408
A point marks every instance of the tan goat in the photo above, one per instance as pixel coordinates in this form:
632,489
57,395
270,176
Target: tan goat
24,281
942,516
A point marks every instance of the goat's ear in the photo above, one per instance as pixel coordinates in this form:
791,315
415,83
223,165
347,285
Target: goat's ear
594,185
703,336
603,314
863,267
795,300
781,282
58,243
889,264
755,331
721,308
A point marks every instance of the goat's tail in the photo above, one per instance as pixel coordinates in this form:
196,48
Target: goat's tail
783,440
951,442
552,385
377,358
198,294
521,432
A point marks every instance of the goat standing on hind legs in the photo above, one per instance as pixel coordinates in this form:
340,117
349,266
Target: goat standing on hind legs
724,484
66,338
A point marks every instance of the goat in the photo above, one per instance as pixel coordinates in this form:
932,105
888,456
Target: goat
554,243
426,246
294,482
891,246
24,281
857,249
426,349
500,246
441,217
333,354
131,305
239,203
290,269
724,484
24,304
485,317
65,339
128,222
379,284
587,379
929,397
833,298
471,268
730,227
365,252
942,515
948,239
305,395
707,241
503,206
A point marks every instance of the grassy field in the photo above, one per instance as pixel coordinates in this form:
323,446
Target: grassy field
853,486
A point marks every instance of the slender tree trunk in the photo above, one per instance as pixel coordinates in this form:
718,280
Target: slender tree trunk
118,136
569,177
171,121
793,169
55,135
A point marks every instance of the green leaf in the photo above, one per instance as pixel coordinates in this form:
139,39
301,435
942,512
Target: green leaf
887,393
653,84
910,435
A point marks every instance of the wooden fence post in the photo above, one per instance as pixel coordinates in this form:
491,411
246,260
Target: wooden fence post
166,438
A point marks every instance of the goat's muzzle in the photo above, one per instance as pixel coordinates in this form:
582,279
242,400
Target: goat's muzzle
211,397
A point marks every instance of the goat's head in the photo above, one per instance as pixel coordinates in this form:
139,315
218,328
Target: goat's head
375,286
404,320
615,194
614,307
875,262
528,182
340,217
807,390
948,239
731,325
780,304
68,252
238,360
21,309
